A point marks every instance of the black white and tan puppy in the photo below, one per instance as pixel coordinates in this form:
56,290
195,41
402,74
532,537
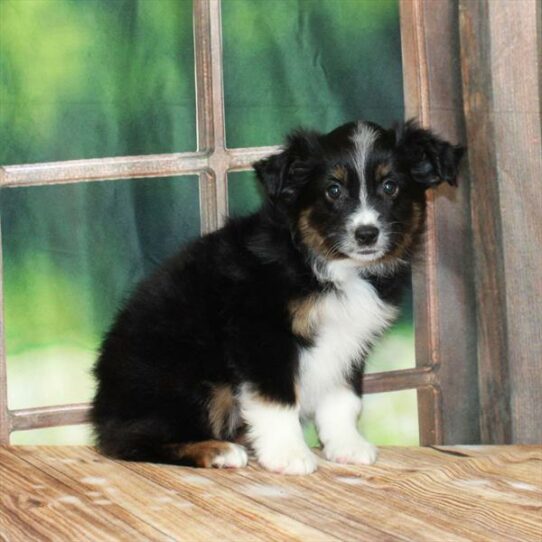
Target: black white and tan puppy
267,322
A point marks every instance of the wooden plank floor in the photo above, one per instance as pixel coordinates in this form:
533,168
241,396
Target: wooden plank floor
443,494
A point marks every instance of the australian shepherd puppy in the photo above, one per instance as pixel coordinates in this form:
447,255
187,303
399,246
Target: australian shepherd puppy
265,323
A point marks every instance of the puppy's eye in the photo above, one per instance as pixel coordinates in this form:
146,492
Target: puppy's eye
390,188
334,190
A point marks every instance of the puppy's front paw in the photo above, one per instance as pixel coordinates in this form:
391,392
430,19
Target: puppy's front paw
353,451
299,460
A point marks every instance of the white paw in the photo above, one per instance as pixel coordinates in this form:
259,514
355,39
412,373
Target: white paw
298,460
234,457
353,451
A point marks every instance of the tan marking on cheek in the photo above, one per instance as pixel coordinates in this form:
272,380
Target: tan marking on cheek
305,314
409,237
222,408
309,234
312,238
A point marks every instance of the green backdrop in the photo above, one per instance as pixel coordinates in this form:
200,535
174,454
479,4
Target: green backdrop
96,78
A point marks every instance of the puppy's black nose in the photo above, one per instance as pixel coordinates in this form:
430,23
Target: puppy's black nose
366,235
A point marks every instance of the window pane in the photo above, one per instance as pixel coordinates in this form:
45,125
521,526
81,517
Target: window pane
391,418
396,348
244,193
95,78
67,435
301,62
388,419
71,255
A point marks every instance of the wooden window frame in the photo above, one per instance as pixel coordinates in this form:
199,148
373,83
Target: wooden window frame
445,373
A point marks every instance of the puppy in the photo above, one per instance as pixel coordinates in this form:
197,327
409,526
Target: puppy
268,321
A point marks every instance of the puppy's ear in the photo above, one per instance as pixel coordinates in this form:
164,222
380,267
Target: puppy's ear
283,175
272,173
428,159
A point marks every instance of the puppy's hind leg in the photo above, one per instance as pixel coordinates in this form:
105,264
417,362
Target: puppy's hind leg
134,442
210,453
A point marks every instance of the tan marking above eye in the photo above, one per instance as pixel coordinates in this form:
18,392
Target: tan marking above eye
382,171
340,174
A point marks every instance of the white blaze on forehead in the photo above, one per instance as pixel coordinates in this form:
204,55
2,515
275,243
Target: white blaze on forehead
363,138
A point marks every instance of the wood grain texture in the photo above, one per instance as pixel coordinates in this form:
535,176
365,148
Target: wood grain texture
452,493
515,61
501,60
442,278
41,506
486,224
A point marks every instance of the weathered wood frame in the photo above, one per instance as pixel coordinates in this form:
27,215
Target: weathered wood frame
501,52
446,376
442,281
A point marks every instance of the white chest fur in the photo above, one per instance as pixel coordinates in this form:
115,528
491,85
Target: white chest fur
346,322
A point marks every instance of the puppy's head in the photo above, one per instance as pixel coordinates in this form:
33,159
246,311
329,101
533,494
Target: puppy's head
358,192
